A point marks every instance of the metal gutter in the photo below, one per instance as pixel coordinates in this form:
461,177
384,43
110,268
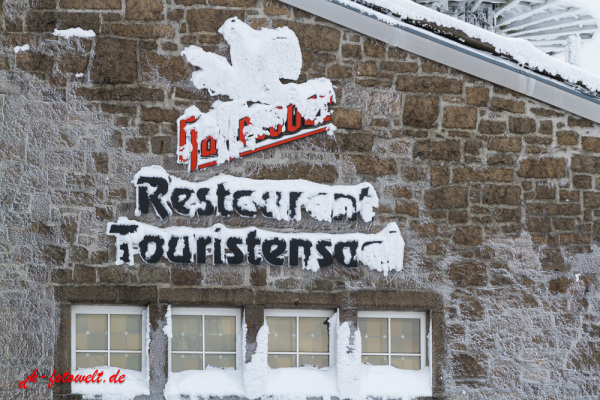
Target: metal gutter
460,57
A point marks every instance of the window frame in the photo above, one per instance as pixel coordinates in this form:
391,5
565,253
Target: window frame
421,315
107,310
209,311
332,336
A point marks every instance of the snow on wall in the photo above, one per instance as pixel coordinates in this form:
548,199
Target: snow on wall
223,195
259,60
383,251
348,379
74,32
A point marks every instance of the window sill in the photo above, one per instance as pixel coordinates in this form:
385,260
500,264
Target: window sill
135,384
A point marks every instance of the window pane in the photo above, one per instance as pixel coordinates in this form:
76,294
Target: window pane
125,332
220,333
375,360
282,333
220,360
91,332
282,360
406,362
314,360
405,334
91,360
126,361
187,333
314,336
374,334
184,362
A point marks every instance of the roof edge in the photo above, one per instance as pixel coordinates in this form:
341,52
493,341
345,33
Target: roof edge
456,55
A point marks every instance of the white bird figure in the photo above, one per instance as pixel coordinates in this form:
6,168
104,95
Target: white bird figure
259,60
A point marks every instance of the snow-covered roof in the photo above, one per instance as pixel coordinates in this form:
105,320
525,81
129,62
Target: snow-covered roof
510,62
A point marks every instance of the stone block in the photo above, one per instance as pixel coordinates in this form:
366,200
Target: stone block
112,274
137,145
567,138
322,173
209,19
447,150
560,285
543,168
367,68
156,114
460,117
35,62
355,142
468,274
482,175
501,195
144,10
580,122
505,144
144,31
521,125
162,145
84,274
590,144
446,198
513,106
546,127
492,127
585,164
86,21
120,94
186,275
115,61
421,111
429,84
440,176
315,37
465,366
44,21
258,276
347,118
350,50
477,96
401,67
338,71
371,165
591,200
374,48
93,5
172,68
468,236
154,274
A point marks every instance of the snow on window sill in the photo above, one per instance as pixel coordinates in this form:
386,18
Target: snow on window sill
135,384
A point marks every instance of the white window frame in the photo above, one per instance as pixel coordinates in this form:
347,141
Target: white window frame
305,313
421,315
210,311
108,311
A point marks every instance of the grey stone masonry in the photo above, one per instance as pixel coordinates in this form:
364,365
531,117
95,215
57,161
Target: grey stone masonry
497,195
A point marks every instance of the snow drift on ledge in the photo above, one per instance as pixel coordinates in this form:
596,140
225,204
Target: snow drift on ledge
520,50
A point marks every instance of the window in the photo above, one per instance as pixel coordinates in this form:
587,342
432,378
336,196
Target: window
205,337
298,338
393,338
107,336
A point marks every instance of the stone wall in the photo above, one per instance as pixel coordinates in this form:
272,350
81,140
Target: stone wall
497,195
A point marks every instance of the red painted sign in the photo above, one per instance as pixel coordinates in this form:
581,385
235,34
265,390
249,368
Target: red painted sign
204,153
